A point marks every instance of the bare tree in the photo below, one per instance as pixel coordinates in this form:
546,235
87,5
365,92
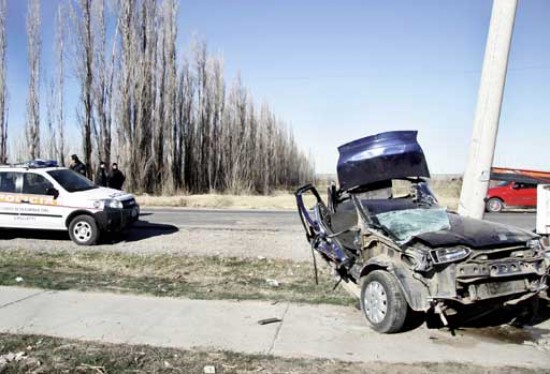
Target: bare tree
169,21
3,89
124,111
218,132
49,145
102,77
83,60
87,79
59,84
34,45
186,95
172,124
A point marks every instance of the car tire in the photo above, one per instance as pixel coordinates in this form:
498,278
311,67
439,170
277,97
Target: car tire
83,230
382,302
494,205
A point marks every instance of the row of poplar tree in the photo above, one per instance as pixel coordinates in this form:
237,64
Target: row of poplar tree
172,124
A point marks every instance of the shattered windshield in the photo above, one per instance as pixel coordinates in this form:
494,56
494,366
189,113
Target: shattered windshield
404,224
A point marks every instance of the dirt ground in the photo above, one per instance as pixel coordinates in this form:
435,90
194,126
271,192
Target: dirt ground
244,243
39,354
241,243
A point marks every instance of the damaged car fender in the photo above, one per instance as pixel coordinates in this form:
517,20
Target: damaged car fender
415,292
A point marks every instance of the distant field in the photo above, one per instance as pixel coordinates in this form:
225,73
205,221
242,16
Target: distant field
282,200
447,190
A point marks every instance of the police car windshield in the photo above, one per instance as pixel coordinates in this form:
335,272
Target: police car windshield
71,180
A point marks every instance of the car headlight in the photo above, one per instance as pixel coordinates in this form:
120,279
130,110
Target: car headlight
108,203
536,245
446,255
114,204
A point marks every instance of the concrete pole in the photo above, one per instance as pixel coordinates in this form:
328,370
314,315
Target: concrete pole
489,102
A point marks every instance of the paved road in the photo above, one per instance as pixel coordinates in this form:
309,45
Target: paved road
277,220
234,219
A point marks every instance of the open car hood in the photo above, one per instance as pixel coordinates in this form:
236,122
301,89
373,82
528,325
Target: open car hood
381,157
475,234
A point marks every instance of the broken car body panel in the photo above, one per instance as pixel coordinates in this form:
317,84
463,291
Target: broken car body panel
381,157
441,261
476,234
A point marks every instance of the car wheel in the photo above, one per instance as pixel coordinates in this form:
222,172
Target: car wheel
83,230
382,302
494,205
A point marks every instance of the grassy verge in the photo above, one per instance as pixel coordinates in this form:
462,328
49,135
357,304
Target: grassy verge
216,201
446,191
170,275
40,354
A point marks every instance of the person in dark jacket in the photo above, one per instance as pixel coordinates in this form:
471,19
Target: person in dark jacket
101,178
77,165
116,178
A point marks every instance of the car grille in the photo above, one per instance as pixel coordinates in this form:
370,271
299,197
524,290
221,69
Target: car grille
487,290
130,203
508,261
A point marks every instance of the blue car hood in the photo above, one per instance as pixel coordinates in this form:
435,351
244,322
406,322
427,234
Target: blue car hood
476,234
381,157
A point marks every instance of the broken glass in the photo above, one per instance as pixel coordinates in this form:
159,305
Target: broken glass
405,224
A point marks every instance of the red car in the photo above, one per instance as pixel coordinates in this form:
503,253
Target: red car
511,194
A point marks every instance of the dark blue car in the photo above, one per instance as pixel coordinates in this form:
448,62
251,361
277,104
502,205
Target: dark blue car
384,230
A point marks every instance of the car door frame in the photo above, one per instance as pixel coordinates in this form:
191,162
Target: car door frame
9,201
41,209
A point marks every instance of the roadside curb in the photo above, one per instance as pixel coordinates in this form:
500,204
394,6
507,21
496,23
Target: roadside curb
304,331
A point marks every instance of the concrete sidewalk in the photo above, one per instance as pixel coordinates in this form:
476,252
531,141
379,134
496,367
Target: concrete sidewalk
307,331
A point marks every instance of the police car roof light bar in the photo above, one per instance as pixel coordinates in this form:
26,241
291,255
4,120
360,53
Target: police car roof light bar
35,164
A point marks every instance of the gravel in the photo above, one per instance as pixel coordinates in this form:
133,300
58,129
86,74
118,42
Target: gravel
234,242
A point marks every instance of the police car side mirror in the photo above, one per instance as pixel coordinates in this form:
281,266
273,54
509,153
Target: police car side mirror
52,192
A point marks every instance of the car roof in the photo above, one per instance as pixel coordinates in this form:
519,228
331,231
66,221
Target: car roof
23,169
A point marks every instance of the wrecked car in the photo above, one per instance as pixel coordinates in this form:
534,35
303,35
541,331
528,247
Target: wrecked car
409,255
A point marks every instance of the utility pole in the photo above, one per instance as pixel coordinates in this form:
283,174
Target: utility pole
489,102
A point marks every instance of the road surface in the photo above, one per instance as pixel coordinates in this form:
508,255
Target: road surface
277,220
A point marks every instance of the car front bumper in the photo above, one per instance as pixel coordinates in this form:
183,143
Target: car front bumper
113,220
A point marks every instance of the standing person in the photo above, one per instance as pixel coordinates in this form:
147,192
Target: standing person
77,165
116,178
101,178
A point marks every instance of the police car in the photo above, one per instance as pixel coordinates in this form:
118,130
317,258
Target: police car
41,195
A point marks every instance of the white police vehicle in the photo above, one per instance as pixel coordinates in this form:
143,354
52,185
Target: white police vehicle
41,195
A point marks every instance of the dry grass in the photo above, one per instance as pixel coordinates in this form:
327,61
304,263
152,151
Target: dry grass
447,191
276,201
43,354
196,277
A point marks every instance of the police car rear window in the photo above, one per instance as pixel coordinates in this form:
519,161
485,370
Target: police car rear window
72,181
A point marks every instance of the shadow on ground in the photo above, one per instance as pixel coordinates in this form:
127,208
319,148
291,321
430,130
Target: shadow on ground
140,231
509,326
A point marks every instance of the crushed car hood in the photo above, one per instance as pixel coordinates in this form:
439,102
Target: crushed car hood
381,157
475,233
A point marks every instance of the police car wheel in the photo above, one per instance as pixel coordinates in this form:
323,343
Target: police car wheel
83,230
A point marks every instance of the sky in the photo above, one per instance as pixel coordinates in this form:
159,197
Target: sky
340,70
